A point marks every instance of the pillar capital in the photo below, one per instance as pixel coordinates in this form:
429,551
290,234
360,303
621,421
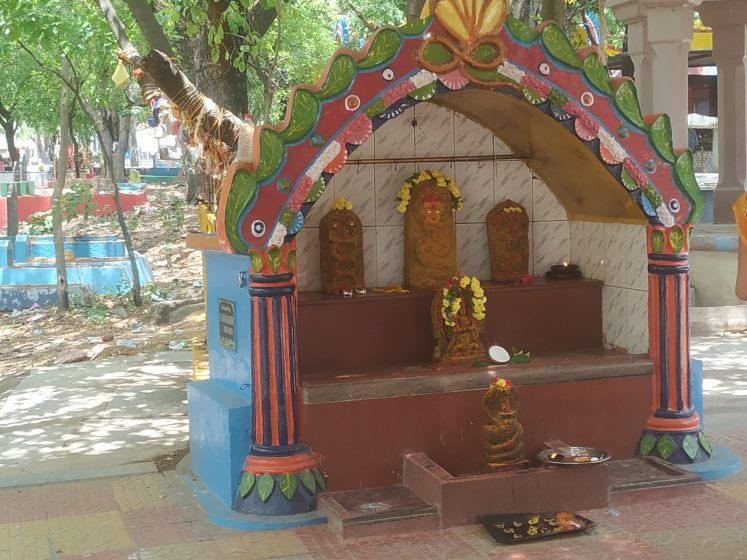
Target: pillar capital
723,13
630,11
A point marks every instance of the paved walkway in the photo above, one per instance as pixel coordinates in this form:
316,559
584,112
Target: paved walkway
152,516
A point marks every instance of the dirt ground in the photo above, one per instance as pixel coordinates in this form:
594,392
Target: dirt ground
111,325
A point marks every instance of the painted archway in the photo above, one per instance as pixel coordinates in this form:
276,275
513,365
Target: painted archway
536,71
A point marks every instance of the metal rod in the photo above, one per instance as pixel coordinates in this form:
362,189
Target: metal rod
438,159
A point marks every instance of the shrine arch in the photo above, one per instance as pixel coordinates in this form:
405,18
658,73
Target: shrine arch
621,166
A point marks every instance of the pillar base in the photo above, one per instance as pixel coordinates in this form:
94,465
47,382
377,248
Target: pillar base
680,448
723,199
277,485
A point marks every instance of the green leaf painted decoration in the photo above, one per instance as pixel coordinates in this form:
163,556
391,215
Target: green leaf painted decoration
520,30
243,191
415,28
286,217
308,480
273,255
272,151
340,76
305,107
265,486
317,190
665,446
690,446
375,108
596,72
485,52
677,239
487,75
425,92
657,241
653,197
557,98
384,47
320,479
685,178
705,443
628,181
437,54
626,99
661,136
533,97
559,46
646,446
288,484
256,260
292,260
246,484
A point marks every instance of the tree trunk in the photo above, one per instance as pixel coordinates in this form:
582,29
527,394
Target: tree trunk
134,157
413,9
148,24
10,138
220,80
59,241
554,10
123,141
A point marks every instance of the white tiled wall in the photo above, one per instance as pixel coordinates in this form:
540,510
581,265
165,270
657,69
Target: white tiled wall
616,254
430,130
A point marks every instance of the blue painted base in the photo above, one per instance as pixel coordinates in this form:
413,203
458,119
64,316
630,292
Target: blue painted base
722,463
224,516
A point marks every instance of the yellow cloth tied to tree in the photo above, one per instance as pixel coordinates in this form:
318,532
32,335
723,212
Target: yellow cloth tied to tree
740,213
120,75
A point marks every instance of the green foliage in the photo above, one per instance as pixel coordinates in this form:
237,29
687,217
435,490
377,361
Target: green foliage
173,214
78,202
40,223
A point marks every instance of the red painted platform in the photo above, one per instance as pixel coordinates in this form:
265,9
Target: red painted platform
104,204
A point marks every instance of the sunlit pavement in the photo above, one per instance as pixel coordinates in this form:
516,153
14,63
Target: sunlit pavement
93,419
153,516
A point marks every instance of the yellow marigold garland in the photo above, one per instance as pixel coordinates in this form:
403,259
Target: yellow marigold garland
452,299
442,180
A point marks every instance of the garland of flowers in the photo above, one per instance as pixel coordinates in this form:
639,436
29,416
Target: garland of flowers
442,180
342,203
501,383
452,299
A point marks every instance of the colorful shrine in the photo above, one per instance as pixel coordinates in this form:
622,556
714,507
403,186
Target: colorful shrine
305,384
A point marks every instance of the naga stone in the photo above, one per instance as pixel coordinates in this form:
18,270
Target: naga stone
341,252
508,241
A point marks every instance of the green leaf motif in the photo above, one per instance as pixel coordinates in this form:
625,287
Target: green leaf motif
272,152
705,443
286,217
626,99
308,480
557,98
375,108
317,190
685,178
437,54
665,446
487,75
657,241
690,446
533,97
288,484
256,260
320,479
597,73
661,136
416,28
265,486
340,76
485,52
559,46
273,255
305,107
246,484
677,239
653,197
520,30
242,192
292,260
384,47
646,446
425,92
628,181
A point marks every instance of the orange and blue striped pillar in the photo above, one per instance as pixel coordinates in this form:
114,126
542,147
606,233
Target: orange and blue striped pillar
673,428
281,475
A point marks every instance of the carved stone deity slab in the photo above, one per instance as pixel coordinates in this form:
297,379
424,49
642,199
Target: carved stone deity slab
341,250
508,241
430,237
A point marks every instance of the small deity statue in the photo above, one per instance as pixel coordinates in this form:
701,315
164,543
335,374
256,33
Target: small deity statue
458,317
508,241
428,199
504,436
341,250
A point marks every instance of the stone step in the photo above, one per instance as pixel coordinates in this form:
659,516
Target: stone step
649,478
372,512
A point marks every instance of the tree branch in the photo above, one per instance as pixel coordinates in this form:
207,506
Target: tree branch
370,26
